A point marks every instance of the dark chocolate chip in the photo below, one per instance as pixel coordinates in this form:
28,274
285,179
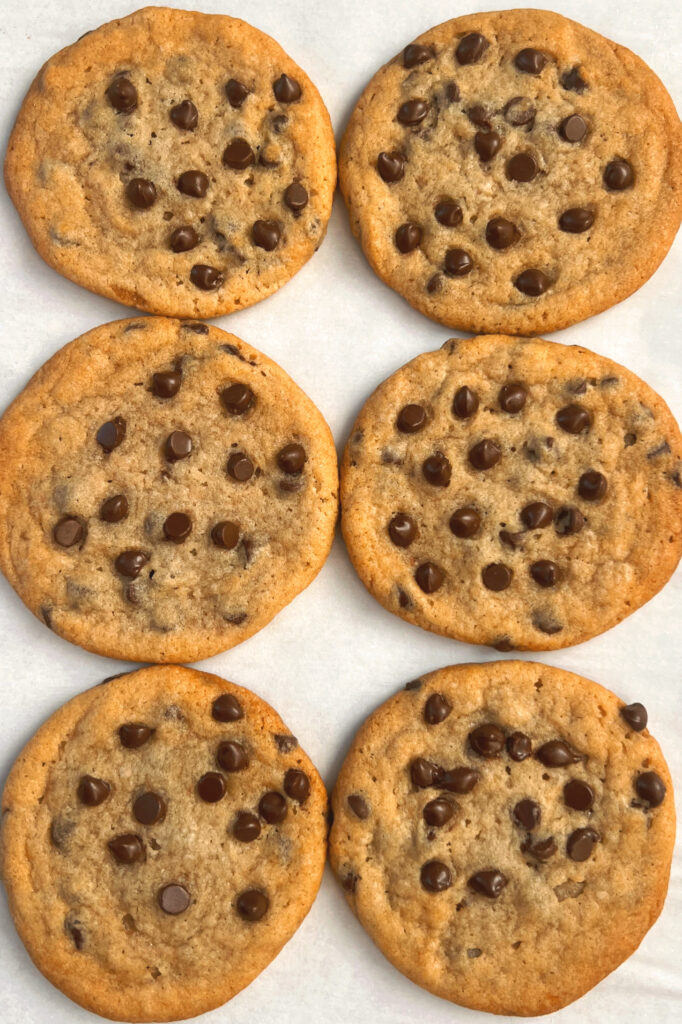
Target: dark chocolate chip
569,520
225,535
130,563
592,485
487,144
519,110
246,828
574,419
391,166
226,708
252,905
557,754
166,384
436,709
77,934
619,175
68,531
512,397
177,527
487,740
292,458
211,787
448,213
272,807
183,239
573,128
471,48
205,277
149,808
465,522
424,773
236,93
237,398
576,220
127,849
173,899
178,446
536,515
141,193
416,54
358,806
438,812
519,746
541,850
193,183
238,155
512,540
429,577
457,780
402,530
435,876
134,735
573,81
296,197
297,785
232,756
457,263
532,282
488,883
92,792
411,419
240,467
437,470
580,843
650,787
286,90
122,95
529,61
485,455
479,116
501,233
578,795
185,115
544,572
407,237
527,814
496,576
465,403
111,434
635,715
412,112
522,167
266,234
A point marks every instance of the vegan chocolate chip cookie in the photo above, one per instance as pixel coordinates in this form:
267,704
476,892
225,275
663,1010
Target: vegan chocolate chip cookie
516,493
166,490
513,172
178,162
504,832
162,837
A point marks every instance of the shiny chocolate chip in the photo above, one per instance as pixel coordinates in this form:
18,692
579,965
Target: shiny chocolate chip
411,419
530,61
522,167
487,144
436,709
286,89
471,48
127,849
238,155
412,112
649,786
134,734
185,116
391,166
237,398
131,563
166,384
487,740
457,780
569,520
438,812
296,197
519,746
240,467
465,522
527,814
512,397
576,220
537,515
149,808
457,263
193,183
484,455
92,792
435,876
635,715
273,808
206,278
292,458
407,237
177,527
574,418
501,233
141,193
252,905
111,434
178,446
122,95
532,282
226,708
581,842
225,535
429,577
297,785
424,773
619,175
236,93
246,827
465,403
557,754
211,787
488,883
448,213
183,239
402,530
578,795
437,470
544,572
173,899
68,531
232,757
416,54
592,485
114,509
496,576
266,234
573,128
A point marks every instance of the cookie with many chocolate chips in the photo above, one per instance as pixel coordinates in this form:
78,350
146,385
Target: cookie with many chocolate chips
159,845
516,493
166,490
512,853
178,162
513,172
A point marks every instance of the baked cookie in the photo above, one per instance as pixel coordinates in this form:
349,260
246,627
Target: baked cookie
163,836
178,162
504,832
513,172
166,490
516,493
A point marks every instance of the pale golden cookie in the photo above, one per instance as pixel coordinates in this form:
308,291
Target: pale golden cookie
504,832
516,493
178,162
166,490
513,172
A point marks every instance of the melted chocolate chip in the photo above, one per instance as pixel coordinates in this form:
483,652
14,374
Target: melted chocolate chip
619,175
273,808
537,515
557,754
193,183
501,233
178,446
574,418
457,780
424,773
522,167
635,715
185,116
488,883
448,213
416,54
266,234
226,708
122,95
225,535
237,399
240,467
411,419
569,521
437,470
297,785
149,808
435,876
465,403
529,61
580,843
412,112
130,563
92,792
407,237
238,155
206,278
544,572
512,540
592,486
236,93
471,48
576,220
111,434
68,531
484,455
438,812
436,709
295,197
134,735
527,814
487,740
578,795
519,746
246,828
286,90
173,899
457,263
496,576
465,522
166,384
141,193
573,81
478,115
429,577
402,530
512,397
127,849
649,786
177,527
532,282
487,144
542,850
519,111
391,166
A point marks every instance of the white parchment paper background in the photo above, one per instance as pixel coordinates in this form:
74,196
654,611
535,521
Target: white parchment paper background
334,654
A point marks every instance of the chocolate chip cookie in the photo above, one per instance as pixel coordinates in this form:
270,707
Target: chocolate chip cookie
513,172
516,493
166,490
504,832
162,837
178,162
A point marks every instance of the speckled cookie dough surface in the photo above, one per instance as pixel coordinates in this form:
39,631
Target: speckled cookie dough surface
504,832
163,836
513,172
166,490
178,162
516,493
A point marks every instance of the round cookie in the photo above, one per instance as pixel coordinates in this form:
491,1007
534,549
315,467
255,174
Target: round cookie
513,172
178,162
163,836
504,832
516,493
166,490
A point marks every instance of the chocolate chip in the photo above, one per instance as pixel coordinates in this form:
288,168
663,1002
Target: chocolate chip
166,384
178,446
435,876
438,812
578,795
226,708
530,61
496,576
286,90
465,522
183,239
77,934
424,773
240,467
177,527
619,175
130,563
122,95
573,81
542,850
580,843
573,128
358,806
488,883
569,521
557,754
519,746
141,193
68,531
408,237
436,709
111,434
134,735
478,115
266,234
411,419
512,540
437,470
546,622
574,419
297,785
237,398
527,814
413,112
650,787
457,263
635,715
296,197
252,905
292,458
429,577
246,828
416,54
465,403
487,144
273,808
484,455
232,756
532,282
501,233
149,808
512,397
238,155
536,515
471,48
127,849
544,572
448,213
592,485
522,167
487,740
92,792
402,530
225,535
185,115
391,166
236,93
193,183
173,899
457,780
205,277
519,110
